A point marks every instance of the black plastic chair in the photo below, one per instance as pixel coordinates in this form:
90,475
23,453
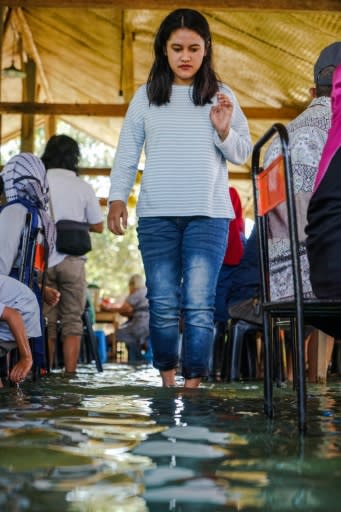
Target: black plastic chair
299,309
241,340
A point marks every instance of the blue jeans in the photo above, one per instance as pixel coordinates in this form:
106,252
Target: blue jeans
182,257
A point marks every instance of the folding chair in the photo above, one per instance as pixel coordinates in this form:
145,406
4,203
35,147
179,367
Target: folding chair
272,186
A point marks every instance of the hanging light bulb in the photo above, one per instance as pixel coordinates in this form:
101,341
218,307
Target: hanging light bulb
12,71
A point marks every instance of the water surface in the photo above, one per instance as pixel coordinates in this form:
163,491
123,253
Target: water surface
118,442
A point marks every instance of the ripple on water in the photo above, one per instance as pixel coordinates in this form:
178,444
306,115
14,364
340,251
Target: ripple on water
119,442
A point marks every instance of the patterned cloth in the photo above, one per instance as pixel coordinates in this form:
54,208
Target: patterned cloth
24,177
307,137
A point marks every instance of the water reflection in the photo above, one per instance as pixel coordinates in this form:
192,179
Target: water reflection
118,442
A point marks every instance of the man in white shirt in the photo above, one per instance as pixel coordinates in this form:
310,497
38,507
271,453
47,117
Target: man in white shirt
71,199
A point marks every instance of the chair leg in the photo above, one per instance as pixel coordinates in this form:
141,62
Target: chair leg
251,354
268,389
301,379
3,368
235,346
278,360
218,350
91,340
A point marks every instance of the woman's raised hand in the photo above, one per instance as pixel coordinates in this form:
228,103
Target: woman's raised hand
221,115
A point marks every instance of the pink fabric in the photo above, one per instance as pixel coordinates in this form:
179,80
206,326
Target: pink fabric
334,135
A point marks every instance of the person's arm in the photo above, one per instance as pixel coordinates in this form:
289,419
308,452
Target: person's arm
233,140
93,211
124,309
16,324
96,228
12,222
117,217
127,156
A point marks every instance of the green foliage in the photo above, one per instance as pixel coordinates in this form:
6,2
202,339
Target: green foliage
113,260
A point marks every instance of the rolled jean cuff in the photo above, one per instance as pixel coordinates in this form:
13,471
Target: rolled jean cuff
194,373
165,366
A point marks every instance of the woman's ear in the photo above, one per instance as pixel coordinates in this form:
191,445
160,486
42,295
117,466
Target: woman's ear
312,92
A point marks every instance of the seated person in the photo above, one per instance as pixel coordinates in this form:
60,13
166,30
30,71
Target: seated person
25,188
244,295
135,331
324,217
19,320
245,301
233,255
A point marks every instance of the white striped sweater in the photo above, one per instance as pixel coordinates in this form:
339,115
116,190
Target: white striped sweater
185,170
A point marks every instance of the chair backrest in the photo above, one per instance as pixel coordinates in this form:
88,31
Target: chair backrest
272,186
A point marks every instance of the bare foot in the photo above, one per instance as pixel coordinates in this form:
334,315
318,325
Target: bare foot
192,383
168,378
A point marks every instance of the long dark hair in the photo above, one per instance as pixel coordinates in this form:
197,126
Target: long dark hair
61,152
160,79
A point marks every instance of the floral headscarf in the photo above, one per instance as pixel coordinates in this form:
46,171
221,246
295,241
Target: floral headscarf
24,177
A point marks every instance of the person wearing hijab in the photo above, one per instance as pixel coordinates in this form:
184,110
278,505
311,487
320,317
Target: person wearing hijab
25,184
324,211
26,189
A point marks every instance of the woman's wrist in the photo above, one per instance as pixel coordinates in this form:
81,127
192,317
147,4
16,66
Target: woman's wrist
223,135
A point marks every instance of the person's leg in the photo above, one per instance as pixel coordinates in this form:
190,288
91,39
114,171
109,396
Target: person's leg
71,307
203,249
71,349
160,245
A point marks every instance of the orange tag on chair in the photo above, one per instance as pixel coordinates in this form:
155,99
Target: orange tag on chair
271,186
39,258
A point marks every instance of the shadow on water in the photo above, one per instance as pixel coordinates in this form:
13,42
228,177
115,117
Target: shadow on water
118,442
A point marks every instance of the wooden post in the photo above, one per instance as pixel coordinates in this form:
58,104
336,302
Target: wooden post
50,126
27,120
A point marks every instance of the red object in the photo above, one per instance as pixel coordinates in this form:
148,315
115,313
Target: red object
235,246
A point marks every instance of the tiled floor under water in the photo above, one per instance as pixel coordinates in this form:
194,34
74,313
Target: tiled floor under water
118,442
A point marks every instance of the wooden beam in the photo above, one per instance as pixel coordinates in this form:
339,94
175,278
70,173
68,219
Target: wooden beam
105,171
30,48
237,5
66,109
113,110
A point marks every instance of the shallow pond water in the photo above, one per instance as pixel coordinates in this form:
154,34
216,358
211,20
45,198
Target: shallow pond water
118,442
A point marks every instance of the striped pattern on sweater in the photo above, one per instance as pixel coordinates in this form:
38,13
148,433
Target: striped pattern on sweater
185,172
